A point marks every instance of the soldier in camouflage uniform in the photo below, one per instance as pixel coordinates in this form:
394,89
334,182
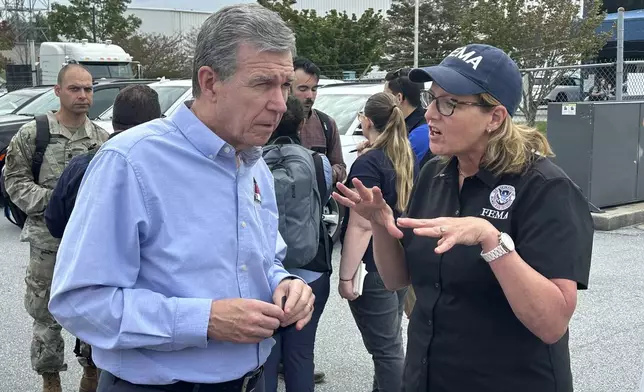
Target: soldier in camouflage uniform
72,134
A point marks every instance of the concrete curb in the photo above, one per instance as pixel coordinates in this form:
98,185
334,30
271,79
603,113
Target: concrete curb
613,218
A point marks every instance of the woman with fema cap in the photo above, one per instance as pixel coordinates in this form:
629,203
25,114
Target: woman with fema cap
496,240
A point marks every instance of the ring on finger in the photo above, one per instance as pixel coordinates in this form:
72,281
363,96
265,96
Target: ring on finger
359,200
442,229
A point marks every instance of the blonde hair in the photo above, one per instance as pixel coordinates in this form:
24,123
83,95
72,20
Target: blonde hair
389,121
512,147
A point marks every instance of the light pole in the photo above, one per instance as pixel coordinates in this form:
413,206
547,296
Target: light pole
416,34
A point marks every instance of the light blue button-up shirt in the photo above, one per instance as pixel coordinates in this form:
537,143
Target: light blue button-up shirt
165,222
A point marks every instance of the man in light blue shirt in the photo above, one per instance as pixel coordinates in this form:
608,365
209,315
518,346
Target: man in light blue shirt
170,265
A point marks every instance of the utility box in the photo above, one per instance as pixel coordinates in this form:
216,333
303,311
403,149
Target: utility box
600,146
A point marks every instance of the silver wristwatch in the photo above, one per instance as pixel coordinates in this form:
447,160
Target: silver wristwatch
506,245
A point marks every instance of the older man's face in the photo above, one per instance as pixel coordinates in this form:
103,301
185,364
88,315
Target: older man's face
250,104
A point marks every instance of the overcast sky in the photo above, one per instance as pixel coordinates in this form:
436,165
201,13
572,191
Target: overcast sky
196,5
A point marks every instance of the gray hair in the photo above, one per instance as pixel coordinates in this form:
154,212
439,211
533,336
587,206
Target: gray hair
225,30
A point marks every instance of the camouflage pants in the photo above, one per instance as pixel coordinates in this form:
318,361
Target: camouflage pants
47,344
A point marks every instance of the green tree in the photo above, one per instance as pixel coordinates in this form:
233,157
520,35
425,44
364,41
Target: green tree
336,42
545,33
93,20
438,26
160,55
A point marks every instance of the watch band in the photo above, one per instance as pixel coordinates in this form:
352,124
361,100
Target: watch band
494,253
505,246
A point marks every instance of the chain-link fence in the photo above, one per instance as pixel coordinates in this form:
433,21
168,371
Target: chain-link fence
578,83
19,76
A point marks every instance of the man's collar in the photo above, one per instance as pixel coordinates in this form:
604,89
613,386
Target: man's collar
207,141
415,119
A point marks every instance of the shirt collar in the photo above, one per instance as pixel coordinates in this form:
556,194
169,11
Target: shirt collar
450,170
206,141
415,118
86,131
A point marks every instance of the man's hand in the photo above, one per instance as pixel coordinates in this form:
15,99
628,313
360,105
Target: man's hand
241,320
299,302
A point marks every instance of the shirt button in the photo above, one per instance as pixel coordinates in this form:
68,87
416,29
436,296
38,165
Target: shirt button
437,285
211,156
243,268
243,224
424,361
227,149
457,213
429,322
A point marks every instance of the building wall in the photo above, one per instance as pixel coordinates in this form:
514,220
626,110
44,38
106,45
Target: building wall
167,21
350,6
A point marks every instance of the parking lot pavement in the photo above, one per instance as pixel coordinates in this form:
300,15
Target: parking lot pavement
607,330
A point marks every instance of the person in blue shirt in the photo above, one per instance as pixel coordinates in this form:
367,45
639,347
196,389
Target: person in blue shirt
170,264
133,105
408,95
295,349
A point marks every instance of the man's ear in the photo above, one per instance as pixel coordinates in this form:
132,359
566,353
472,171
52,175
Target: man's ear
208,81
400,98
57,89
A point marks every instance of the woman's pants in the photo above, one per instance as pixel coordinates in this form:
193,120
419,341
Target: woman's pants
378,313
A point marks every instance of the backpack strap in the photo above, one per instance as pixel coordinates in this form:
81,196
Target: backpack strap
42,140
327,125
319,176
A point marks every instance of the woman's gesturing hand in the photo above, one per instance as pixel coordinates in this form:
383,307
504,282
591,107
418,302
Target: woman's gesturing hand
368,203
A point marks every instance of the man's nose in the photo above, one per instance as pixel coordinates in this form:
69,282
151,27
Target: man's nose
277,101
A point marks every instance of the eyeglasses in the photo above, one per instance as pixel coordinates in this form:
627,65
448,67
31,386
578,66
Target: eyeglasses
446,105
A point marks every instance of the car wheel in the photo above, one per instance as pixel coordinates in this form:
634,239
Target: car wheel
332,217
561,97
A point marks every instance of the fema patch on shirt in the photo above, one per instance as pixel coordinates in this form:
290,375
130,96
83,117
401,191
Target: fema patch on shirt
502,197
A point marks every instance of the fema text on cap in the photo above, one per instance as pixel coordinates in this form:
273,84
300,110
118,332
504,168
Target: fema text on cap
467,57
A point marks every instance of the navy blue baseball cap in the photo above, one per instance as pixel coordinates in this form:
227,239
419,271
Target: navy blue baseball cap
476,69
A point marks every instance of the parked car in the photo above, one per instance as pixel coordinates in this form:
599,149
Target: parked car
15,100
343,102
172,93
104,94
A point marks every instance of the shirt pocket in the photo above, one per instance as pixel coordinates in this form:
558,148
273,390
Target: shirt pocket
268,226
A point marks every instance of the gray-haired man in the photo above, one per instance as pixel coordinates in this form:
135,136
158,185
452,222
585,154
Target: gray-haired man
174,275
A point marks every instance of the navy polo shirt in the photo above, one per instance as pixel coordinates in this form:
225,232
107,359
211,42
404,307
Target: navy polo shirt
463,334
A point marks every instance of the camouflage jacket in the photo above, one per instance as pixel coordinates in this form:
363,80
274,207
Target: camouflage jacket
32,197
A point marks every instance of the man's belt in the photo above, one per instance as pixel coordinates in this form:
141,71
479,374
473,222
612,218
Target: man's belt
244,384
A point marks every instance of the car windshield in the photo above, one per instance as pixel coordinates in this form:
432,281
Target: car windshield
168,95
342,108
109,70
41,105
13,100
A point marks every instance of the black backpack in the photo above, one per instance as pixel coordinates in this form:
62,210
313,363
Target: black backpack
11,211
327,126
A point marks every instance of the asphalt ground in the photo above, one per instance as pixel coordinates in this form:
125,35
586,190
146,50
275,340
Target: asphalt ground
607,330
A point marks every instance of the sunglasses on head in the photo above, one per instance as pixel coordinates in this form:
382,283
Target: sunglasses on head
397,73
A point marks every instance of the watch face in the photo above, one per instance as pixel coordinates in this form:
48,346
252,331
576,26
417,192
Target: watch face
507,242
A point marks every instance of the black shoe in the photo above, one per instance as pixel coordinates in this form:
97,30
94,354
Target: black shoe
318,377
